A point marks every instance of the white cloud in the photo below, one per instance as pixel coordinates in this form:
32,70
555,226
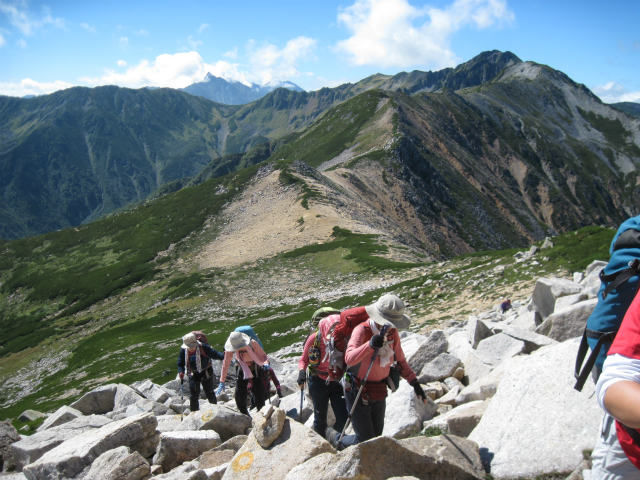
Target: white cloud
30,87
124,42
88,27
21,42
122,63
268,63
613,92
142,32
393,33
232,54
3,42
25,21
203,27
193,42
168,70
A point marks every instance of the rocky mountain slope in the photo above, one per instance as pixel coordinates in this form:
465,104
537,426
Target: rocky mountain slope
507,136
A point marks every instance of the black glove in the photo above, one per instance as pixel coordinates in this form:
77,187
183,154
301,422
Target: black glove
302,377
376,341
418,389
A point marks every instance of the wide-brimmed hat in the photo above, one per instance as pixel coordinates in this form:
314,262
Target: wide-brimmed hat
236,341
190,340
389,310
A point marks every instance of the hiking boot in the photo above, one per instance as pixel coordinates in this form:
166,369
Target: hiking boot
332,437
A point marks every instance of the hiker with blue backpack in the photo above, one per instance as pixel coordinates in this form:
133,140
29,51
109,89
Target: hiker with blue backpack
612,334
194,359
252,374
617,453
373,347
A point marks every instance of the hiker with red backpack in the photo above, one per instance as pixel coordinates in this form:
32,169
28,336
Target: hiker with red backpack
373,347
194,359
324,376
252,374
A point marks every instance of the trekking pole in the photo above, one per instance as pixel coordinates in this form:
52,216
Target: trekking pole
301,400
181,399
355,402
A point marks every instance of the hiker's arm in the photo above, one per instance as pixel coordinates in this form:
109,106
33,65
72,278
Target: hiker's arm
618,387
226,363
405,370
213,354
181,361
358,348
303,363
622,400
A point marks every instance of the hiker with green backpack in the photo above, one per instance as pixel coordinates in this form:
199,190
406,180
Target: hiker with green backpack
323,378
374,345
194,359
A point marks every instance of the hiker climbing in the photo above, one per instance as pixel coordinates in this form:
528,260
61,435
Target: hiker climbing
195,358
252,372
372,349
272,374
324,377
617,452
506,305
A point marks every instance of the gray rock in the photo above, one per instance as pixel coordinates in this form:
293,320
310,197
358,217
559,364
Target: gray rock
497,348
291,405
296,445
70,457
477,330
30,416
126,396
547,290
461,420
268,424
8,435
536,401
481,389
119,464
97,401
441,367
405,412
63,415
532,340
568,323
30,448
419,349
178,447
475,368
224,420
441,457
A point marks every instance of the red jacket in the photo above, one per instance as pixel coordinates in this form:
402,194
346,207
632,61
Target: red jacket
627,343
359,352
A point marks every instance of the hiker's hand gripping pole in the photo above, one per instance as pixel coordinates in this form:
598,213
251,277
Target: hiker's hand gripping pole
355,402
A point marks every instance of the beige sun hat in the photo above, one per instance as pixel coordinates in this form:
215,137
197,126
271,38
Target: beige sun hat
236,341
190,340
389,310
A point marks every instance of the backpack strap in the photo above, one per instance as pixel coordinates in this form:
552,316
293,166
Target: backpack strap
582,372
616,279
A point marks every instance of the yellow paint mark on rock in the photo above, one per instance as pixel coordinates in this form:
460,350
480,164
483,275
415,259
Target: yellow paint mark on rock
242,462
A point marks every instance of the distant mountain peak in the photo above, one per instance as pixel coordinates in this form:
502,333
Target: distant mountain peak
234,92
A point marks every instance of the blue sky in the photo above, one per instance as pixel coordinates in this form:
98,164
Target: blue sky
50,45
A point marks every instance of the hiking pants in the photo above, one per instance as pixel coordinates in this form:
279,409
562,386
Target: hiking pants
321,394
609,462
206,379
258,390
367,419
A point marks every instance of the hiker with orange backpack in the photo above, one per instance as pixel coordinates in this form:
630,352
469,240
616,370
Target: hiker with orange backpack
373,347
252,373
323,378
195,358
